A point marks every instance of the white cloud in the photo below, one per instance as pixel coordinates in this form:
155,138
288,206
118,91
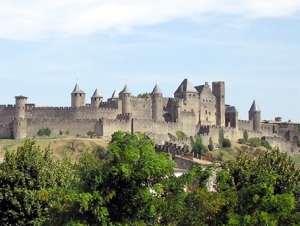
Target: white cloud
31,20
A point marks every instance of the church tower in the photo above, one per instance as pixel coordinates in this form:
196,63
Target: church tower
157,104
255,116
125,96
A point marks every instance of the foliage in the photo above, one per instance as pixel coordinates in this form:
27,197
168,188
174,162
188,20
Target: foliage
44,132
210,144
171,136
91,134
180,135
221,137
298,142
143,95
226,143
23,173
186,147
266,144
259,191
254,142
241,141
197,145
245,135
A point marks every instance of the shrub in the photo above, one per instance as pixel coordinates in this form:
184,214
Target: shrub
241,141
245,135
254,142
226,143
171,136
180,135
298,142
266,144
44,132
211,144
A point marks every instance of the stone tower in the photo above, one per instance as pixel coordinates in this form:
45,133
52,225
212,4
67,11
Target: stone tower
157,103
19,121
96,99
125,96
218,89
255,116
231,117
77,97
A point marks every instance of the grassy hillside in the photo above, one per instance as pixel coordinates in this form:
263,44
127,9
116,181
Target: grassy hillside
62,146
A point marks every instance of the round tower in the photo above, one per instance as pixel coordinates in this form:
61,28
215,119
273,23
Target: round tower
19,121
157,103
21,101
255,116
96,99
77,97
125,96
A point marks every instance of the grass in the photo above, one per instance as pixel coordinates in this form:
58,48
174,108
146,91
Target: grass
62,146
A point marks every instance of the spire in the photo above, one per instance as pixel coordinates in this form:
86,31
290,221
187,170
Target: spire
186,86
156,90
254,107
77,89
115,94
125,90
96,94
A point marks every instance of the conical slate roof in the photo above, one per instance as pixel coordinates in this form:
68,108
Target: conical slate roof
77,89
125,90
231,109
254,107
96,94
186,87
156,90
115,94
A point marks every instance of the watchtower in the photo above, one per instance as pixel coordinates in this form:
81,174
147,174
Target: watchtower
255,116
96,99
77,97
19,121
157,103
218,89
125,96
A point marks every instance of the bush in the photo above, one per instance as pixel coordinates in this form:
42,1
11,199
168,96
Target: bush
266,144
298,142
171,136
211,144
226,143
44,132
254,142
241,141
180,135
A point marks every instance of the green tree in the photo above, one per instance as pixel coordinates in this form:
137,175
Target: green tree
245,135
211,144
44,132
221,137
125,188
24,173
254,142
259,191
197,145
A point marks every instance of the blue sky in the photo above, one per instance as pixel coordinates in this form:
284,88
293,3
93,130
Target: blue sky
254,46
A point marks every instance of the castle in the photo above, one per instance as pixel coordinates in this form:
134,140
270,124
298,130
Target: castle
193,110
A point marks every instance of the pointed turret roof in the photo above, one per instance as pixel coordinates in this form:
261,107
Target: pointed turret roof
186,86
156,90
125,90
97,94
254,107
77,89
115,94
